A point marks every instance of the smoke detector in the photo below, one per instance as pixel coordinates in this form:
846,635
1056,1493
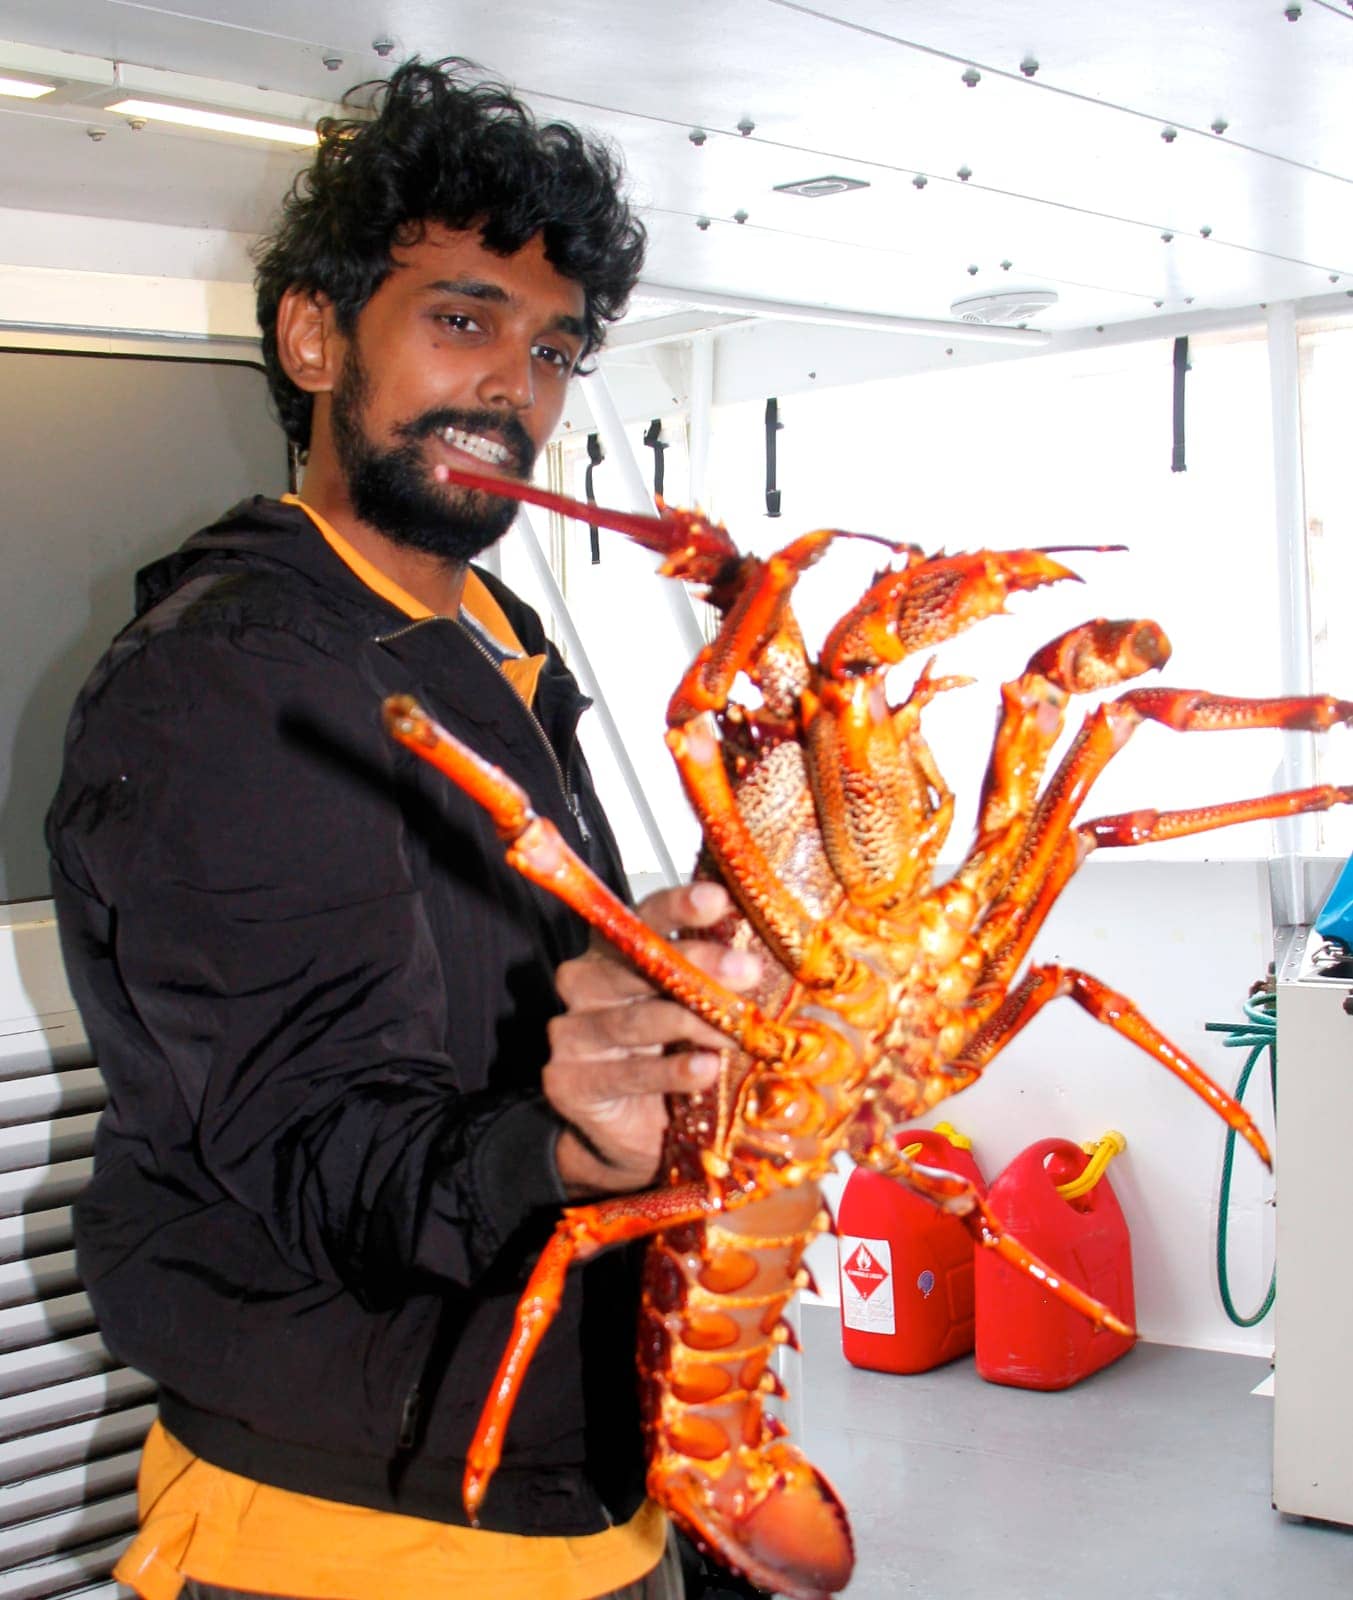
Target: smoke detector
1003,305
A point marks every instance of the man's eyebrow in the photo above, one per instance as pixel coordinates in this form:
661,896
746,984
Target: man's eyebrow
482,289
473,288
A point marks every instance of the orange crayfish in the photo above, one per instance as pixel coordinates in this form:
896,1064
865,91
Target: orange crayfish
824,813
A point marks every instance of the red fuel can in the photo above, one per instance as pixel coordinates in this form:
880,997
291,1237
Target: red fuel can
1026,1337
906,1268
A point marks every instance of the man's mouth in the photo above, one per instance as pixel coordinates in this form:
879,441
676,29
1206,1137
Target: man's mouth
490,451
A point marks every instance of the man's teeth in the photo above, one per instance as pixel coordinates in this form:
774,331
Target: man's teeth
486,450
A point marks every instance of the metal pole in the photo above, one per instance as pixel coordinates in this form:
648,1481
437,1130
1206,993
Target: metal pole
618,450
702,406
579,659
1294,836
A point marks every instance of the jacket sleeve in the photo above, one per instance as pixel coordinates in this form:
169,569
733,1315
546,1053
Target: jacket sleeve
254,961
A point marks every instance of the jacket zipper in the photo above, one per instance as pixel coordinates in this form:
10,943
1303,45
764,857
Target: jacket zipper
408,1417
570,799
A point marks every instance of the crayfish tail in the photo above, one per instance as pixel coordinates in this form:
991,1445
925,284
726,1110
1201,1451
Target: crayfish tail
793,1539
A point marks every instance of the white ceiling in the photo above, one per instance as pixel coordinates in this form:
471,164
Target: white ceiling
1071,184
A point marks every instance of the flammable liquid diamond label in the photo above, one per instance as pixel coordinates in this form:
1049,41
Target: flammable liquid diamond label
866,1284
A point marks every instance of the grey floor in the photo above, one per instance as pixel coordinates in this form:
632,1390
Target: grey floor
1150,1481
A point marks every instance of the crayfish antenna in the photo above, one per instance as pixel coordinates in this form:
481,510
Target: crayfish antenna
691,546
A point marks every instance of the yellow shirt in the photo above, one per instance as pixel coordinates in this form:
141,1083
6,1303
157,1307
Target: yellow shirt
200,1521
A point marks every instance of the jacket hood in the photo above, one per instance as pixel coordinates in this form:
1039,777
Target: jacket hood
256,532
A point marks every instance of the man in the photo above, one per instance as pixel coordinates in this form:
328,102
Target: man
354,1063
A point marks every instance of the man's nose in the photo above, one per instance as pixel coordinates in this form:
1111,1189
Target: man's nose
508,380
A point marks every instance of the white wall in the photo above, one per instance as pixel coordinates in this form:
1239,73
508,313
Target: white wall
81,272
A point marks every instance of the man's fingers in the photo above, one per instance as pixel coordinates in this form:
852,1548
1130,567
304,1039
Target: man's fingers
599,979
639,1024
621,1078
695,905
735,969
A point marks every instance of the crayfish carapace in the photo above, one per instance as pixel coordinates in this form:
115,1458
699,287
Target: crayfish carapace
823,812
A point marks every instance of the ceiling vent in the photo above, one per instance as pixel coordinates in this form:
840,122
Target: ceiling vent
1003,305
819,188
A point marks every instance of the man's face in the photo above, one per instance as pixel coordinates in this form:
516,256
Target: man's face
462,358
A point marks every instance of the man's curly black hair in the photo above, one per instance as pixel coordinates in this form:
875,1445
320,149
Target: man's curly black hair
444,145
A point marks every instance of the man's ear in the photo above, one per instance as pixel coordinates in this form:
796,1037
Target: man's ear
309,345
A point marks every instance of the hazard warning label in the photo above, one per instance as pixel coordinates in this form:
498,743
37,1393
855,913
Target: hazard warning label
866,1284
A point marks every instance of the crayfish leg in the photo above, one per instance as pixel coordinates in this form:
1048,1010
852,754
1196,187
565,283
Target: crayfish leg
539,852
1044,983
581,1232
778,916
756,615
1147,826
1103,734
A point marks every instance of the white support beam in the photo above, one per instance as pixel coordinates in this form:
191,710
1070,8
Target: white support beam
702,408
618,451
1295,836
842,317
582,665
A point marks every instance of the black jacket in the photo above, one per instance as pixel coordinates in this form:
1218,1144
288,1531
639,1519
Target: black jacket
318,995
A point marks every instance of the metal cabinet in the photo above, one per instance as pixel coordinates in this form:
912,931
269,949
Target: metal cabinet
1313,1330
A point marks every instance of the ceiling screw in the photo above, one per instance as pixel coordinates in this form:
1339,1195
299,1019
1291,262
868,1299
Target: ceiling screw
136,123
1205,231
97,134
1188,299
972,77
739,216
1220,125
1158,304
702,223
1292,13
746,127
697,136
972,272
964,174
948,349
383,46
332,62
1006,266
1099,328
1167,236
1334,277
919,181
1169,134
1028,66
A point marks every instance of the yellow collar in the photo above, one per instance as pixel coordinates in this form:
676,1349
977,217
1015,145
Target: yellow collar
520,670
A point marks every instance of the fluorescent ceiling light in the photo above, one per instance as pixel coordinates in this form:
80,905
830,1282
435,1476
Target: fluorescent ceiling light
216,121
24,88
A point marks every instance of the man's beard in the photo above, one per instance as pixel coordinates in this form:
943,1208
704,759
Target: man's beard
391,488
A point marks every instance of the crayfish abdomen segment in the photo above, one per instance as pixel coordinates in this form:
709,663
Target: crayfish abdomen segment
714,1297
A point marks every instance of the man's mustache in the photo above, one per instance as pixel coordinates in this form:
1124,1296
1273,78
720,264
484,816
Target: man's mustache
504,426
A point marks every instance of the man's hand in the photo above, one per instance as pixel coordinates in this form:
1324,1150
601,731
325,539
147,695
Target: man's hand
607,1073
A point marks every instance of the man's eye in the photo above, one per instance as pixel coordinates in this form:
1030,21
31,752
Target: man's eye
555,358
458,321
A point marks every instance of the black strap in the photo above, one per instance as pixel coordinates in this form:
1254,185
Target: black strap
1181,366
657,444
595,456
773,426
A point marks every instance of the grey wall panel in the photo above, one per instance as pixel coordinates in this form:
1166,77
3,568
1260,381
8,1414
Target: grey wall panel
107,461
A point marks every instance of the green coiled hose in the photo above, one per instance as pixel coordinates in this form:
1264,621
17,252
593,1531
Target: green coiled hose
1257,1034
